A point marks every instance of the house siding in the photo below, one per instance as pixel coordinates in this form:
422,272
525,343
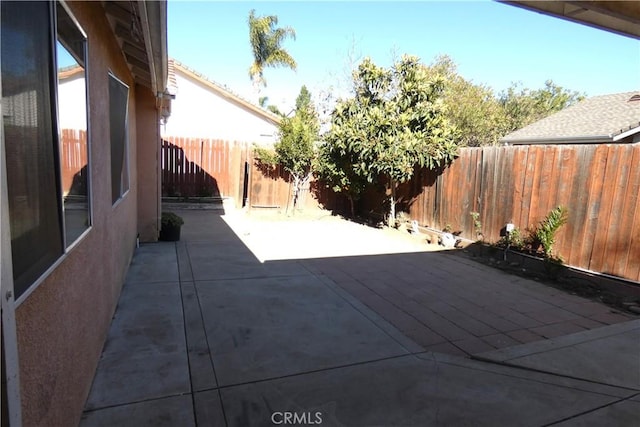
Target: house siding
199,112
148,165
62,325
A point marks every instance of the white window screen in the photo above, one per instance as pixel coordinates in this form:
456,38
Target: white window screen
28,79
118,103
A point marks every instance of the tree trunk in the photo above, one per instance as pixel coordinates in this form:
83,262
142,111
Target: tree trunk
298,183
296,192
302,195
392,204
353,209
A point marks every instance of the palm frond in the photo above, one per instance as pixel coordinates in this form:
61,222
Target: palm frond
281,58
266,40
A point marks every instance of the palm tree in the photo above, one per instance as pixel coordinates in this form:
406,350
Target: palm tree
265,41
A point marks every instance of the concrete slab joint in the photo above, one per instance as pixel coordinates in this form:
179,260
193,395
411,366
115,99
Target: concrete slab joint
217,330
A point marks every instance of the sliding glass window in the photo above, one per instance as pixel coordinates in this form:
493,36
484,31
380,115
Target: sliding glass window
30,134
35,155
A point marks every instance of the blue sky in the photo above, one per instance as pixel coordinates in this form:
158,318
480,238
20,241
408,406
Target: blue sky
492,43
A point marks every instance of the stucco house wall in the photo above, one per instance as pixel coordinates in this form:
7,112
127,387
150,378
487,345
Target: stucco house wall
62,323
204,109
72,86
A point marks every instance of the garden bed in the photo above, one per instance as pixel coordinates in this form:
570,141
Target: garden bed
616,292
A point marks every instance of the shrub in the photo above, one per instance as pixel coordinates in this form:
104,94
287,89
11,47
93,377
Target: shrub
514,239
477,224
169,219
545,233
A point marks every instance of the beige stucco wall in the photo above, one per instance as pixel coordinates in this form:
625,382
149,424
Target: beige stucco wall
199,112
62,325
148,165
71,115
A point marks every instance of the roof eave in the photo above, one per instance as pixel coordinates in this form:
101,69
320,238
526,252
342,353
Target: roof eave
153,17
626,134
619,17
588,139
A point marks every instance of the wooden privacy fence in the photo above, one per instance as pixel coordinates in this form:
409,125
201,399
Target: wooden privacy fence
196,167
598,184
272,188
73,160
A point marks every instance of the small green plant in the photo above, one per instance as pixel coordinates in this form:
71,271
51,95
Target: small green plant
515,239
477,225
169,219
447,228
545,233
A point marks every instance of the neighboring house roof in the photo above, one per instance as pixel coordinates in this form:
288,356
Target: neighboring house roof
70,71
172,83
223,91
599,119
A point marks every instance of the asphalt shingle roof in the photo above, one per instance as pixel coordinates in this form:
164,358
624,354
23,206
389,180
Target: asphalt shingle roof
604,116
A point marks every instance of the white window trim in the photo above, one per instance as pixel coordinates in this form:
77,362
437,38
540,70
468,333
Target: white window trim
10,347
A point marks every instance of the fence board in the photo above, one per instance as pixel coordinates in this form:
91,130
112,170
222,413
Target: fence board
73,156
604,221
596,171
633,194
565,165
519,174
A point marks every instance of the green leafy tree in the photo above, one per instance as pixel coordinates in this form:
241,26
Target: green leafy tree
334,165
275,110
295,149
395,122
266,45
472,108
482,118
523,106
263,101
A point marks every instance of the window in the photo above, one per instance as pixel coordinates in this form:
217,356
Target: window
34,162
72,116
118,105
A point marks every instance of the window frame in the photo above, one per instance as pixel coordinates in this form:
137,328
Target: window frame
67,247
125,163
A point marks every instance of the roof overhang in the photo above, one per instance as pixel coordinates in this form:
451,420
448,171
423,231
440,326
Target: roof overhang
620,17
591,139
626,134
141,30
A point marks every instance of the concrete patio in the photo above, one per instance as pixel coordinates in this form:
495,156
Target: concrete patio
338,324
